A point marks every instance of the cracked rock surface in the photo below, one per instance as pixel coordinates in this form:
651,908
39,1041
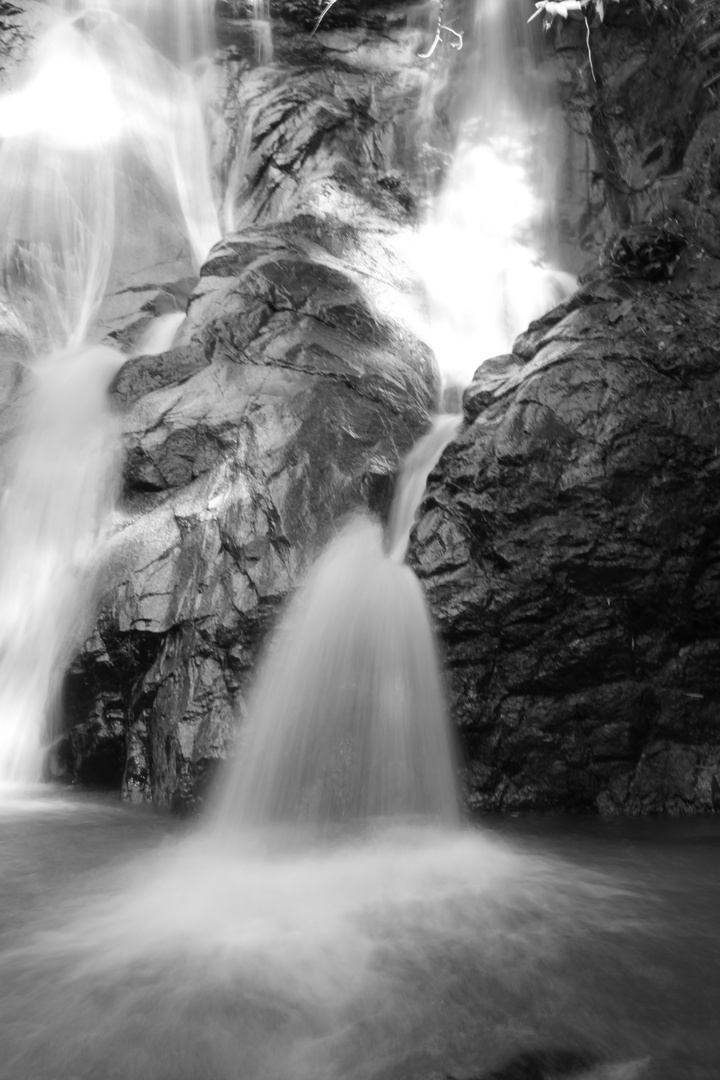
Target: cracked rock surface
570,549
292,391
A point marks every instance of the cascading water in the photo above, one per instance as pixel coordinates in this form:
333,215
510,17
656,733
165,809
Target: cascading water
95,85
485,253
57,237
262,28
347,720
60,492
181,30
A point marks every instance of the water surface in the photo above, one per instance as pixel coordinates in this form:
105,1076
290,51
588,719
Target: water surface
134,945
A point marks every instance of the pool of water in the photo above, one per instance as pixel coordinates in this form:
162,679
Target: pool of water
133,945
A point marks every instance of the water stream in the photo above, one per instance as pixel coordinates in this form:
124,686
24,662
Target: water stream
94,85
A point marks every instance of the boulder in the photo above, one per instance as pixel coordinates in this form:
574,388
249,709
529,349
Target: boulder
569,545
287,402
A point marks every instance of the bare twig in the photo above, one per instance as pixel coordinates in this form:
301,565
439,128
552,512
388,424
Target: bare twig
439,27
323,13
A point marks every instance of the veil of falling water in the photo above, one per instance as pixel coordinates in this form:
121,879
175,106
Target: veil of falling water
263,31
95,84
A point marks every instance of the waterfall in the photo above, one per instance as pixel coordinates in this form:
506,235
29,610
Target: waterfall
485,252
412,481
347,718
262,29
407,948
182,30
61,489
57,212
95,85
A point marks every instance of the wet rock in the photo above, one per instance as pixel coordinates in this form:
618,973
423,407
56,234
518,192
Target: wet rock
627,124
569,546
289,400
293,388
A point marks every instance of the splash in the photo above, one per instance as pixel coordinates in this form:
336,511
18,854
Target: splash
400,954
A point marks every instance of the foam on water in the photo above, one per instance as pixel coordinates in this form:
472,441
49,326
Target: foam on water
388,954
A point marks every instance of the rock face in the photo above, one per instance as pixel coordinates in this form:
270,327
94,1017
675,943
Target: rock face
627,122
288,399
570,549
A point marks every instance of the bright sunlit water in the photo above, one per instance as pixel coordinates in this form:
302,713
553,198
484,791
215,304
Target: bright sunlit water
133,947
485,252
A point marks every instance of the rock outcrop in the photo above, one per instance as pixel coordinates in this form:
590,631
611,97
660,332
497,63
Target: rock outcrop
293,390
570,549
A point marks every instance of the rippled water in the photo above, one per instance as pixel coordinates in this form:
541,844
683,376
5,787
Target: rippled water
133,946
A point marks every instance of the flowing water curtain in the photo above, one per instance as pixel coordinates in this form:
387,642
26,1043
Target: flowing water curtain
262,27
182,30
57,222
347,717
412,482
163,118
57,179
62,485
152,102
